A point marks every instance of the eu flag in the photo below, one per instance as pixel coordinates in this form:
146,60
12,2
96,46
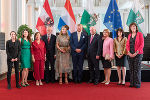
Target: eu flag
112,18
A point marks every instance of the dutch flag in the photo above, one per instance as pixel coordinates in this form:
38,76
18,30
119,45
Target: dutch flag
68,18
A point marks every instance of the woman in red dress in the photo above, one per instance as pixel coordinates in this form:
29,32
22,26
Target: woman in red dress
38,51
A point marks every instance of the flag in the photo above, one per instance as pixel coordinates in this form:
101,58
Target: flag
112,19
68,18
45,12
136,15
88,20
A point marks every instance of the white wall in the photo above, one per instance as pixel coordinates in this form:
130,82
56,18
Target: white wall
14,15
0,15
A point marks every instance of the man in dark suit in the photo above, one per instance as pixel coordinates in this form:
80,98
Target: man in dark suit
50,42
92,52
78,43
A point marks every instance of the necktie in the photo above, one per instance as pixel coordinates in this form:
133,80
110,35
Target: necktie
91,38
79,34
48,39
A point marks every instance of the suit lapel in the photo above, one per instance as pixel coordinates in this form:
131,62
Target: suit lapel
89,40
76,37
46,39
50,39
81,37
93,39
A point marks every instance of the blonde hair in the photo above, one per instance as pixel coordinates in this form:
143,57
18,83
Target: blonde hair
107,30
60,34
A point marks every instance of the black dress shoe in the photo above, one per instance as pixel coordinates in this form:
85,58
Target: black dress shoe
52,81
18,86
90,81
9,86
79,81
96,82
76,81
123,84
47,82
119,84
136,86
131,86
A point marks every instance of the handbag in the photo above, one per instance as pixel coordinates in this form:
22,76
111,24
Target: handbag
107,57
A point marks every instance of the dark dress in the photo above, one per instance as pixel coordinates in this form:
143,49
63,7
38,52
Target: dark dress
106,63
121,61
120,49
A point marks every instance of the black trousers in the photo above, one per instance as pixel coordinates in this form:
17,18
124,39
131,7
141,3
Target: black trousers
77,66
49,61
135,70
10,65
93,65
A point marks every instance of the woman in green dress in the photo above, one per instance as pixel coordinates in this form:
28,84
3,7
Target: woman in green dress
25,56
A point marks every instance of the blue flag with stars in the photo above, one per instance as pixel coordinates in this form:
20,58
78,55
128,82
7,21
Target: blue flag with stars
112,19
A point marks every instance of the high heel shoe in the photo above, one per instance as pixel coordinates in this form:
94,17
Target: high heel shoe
107,83
66,80
27,84
119,83
103,81
60,80
123,83
37,83
40,83
23,85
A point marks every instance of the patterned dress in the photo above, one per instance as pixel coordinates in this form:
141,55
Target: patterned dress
63,59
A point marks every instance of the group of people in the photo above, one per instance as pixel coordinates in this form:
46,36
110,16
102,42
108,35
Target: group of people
51,54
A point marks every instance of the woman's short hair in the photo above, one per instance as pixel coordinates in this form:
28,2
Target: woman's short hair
120,30
131,25
107,30
36,35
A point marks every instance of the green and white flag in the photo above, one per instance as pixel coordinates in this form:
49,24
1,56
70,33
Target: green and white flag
88,20
136,15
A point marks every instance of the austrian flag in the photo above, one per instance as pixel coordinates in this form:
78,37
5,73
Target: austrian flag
45,12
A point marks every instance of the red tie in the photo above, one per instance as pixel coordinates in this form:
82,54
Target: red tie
48,39
91,38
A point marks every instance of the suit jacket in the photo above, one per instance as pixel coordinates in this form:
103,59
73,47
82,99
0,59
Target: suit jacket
120,46
108,47
100,46
50,47
75,44
139,43
13,49
93,46
38,50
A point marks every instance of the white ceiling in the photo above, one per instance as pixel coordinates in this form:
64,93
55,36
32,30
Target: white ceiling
123,4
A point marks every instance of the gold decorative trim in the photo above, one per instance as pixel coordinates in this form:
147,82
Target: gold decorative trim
36,8
27,1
